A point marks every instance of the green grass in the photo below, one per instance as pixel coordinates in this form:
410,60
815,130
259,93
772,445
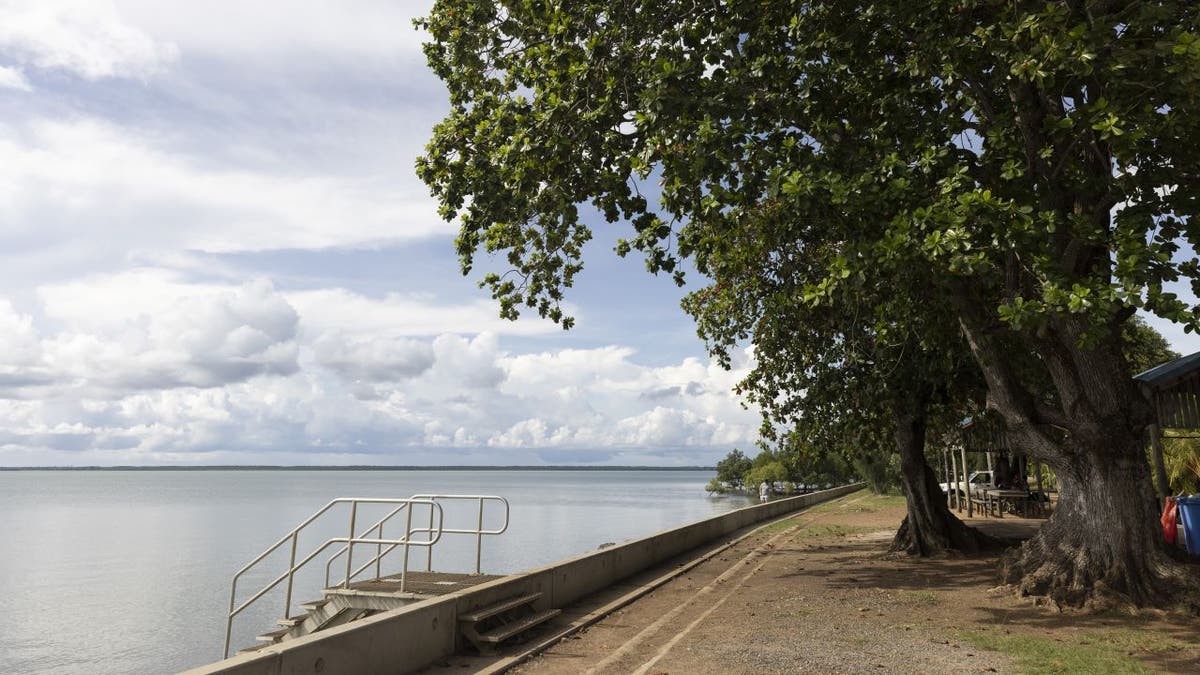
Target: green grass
832,530
1136,639
1087,653
922,597
814,530
862,501
778,526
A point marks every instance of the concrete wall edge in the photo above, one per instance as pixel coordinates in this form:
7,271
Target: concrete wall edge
363,645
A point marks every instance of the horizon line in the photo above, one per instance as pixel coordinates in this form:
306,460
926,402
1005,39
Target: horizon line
361,467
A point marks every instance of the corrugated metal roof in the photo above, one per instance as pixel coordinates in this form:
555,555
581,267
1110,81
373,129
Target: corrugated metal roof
1163,376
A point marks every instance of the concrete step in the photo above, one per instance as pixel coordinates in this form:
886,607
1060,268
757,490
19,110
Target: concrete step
292,621
251,650
314,605
519,626
492,610
274,636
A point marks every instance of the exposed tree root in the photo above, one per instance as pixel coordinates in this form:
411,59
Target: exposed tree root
1060,565
951,534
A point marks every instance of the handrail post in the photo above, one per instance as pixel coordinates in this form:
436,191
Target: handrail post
350,543
229,623
407,537
479,539
379,553
287,604
429,549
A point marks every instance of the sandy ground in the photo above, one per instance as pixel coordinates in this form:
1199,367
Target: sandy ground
819,593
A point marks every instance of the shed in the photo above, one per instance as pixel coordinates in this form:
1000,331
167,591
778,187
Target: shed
1173,389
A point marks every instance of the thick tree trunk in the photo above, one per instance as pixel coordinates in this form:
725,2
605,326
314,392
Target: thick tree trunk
1104,545
929,527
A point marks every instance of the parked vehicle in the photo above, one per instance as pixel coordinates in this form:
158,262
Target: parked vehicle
978,481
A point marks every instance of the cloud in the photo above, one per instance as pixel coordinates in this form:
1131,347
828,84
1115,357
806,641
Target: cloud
398,314
13,78
185,372
59,178
154,337
85,37
262,29
385,359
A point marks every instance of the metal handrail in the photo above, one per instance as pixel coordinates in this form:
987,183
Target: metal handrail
349,540
377,526
380,553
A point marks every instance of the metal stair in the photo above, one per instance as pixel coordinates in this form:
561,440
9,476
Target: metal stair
487,627
423,527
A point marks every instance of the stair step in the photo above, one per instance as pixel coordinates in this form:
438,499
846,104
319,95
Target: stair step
292,621
274,636
251,650
492,610
508,630
314,605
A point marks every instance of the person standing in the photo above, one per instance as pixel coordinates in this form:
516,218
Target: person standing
764,491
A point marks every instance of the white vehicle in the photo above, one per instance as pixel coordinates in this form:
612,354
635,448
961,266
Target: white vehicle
978,480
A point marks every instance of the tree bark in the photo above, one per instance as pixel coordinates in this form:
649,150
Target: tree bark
1103,546
929,528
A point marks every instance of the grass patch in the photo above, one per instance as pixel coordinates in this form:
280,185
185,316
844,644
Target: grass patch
778,526
831,530
862,501
815,530
922,597
1136,640
1038,655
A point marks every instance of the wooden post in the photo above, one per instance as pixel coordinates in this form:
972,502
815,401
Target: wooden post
991,469
1160,471
954,485
1042,500
946,473
966,480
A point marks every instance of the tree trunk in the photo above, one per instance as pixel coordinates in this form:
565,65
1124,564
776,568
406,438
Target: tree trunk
929,527
1104,545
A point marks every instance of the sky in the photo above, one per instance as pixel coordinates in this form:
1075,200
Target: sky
214,250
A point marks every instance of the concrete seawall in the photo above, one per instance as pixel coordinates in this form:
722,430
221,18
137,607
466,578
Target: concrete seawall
412,637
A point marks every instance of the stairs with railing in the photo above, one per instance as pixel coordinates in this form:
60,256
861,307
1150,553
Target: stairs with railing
348,600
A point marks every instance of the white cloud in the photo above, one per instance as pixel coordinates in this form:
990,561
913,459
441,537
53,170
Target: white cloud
60,180
397,314
384,359
240,29
146,367
13,78
86,37
201,341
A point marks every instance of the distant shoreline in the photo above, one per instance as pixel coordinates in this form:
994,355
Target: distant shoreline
364,467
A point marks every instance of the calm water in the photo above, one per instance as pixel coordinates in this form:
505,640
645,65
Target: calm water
128,572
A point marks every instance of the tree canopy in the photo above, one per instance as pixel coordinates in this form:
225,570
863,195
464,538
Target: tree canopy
858,172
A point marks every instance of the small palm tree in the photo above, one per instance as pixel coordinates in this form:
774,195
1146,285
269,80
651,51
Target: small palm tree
1181,457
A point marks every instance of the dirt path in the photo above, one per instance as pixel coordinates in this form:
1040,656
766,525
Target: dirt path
818,593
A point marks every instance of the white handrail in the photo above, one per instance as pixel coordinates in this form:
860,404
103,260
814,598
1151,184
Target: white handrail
434,535
479,532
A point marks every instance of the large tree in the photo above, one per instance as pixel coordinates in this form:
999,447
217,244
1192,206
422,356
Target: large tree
874,362
1034,161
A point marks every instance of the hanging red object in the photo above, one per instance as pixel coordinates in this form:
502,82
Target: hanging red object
1168,520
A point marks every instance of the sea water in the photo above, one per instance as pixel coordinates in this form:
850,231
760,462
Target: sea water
129,571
